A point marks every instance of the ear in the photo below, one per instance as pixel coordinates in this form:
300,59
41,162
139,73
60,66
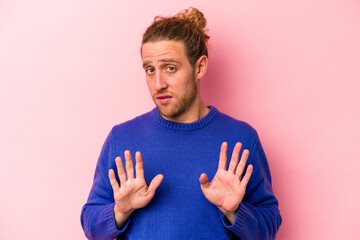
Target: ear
201,67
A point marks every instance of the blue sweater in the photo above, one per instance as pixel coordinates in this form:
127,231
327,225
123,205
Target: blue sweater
179,210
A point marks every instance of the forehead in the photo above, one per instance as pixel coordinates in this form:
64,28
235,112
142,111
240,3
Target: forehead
165,49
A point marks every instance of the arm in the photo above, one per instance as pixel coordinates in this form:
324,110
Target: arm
97,215
256,215
109,206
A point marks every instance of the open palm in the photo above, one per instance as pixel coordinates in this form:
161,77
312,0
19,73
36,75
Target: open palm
133,193
227,189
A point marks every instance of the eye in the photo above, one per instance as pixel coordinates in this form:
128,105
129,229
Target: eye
150,70
171,69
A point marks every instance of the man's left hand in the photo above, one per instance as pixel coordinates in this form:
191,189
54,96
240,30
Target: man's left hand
227,189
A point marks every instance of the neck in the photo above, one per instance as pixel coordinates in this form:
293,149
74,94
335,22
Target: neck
192,114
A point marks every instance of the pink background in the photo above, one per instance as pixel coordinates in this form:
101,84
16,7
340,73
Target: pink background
71,69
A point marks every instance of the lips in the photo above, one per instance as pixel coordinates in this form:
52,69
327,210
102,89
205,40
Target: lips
164,98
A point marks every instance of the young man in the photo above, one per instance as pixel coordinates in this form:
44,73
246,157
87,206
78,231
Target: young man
177,145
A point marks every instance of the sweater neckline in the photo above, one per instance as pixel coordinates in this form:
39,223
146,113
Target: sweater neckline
185,127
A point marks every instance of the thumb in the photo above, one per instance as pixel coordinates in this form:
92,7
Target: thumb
204,181
155,183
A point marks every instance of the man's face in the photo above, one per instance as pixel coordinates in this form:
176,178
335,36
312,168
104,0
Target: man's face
170,77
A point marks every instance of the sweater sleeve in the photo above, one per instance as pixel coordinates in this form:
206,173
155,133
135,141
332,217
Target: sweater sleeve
97,215
258,216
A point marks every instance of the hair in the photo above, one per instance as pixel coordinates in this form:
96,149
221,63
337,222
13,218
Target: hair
188,26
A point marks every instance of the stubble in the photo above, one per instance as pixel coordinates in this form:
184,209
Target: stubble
181,106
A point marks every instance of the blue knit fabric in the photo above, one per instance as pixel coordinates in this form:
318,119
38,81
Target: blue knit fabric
179,210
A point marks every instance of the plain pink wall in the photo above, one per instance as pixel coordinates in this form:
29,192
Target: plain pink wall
71,69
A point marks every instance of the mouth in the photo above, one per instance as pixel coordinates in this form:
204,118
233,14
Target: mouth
164,98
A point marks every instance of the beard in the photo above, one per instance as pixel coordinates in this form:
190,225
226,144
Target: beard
181,106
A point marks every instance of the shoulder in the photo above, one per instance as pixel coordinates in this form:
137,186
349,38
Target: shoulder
132,125
236,126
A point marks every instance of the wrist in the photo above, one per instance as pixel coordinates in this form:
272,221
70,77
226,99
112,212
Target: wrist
230,215
120,217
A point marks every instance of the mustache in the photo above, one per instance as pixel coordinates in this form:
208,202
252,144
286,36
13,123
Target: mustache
162,92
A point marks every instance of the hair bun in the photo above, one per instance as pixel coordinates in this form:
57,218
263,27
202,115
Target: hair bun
194,16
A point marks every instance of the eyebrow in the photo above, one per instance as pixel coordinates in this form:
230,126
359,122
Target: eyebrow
166,60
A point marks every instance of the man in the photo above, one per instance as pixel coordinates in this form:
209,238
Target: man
176,145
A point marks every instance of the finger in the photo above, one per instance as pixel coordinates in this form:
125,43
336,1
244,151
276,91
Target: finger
222,158
155,183
204,181
139,165
113,182
247,176
235,157
241,166
120,170
129,165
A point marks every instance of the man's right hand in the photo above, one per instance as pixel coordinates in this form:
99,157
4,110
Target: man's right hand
133,193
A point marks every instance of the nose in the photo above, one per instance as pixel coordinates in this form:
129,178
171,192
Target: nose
160,82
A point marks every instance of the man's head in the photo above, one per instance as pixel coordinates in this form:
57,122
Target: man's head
188,26
174,55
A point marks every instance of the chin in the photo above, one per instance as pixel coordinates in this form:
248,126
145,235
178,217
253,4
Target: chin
168,112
